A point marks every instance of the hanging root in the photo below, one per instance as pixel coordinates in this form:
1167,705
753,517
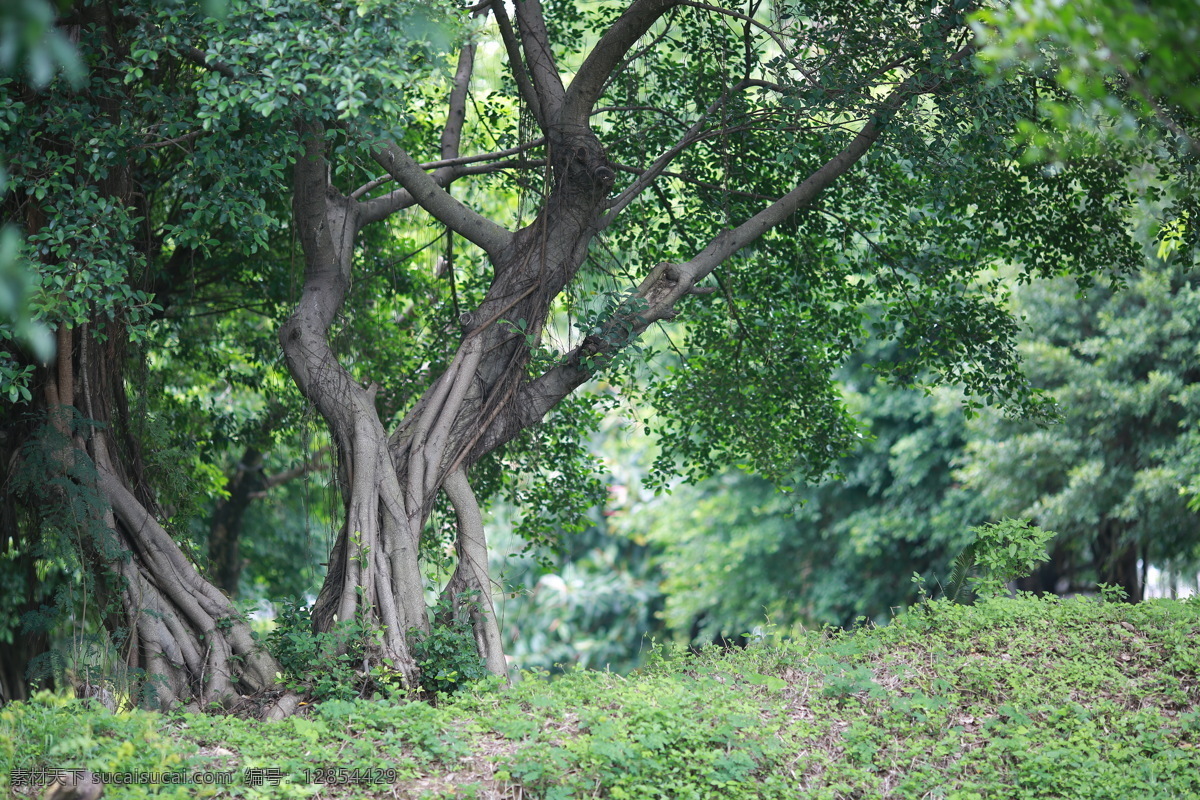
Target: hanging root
472,571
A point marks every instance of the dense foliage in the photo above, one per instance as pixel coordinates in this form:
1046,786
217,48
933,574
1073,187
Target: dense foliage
1114,478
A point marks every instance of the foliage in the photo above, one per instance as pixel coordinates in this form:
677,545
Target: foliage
33,47
1112,478
1002,551
447,655
1133,62
737,552
1120,81
1082,699
592,606
324,665
343,663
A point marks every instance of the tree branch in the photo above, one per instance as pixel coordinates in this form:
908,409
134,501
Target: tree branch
449,162
648,177
589,81
380,208
517,62
426,192
300,470
457,115
729,242
535,41
472,570
200,58
187,137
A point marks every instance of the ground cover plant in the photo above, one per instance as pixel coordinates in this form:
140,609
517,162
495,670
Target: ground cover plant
1087,697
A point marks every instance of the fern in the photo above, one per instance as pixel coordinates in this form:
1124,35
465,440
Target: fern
960,572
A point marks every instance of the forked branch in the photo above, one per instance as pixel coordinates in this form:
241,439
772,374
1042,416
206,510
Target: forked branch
605,57
425,191
667,283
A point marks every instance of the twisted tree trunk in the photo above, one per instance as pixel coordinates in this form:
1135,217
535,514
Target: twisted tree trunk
179,635
485,398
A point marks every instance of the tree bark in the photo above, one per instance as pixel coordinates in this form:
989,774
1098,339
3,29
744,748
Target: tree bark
183,639
471,574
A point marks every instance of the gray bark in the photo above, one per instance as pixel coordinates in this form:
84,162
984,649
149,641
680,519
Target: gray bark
471,573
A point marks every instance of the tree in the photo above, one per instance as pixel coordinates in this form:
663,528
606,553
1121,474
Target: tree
1121,81
768,173
1112,478
738,553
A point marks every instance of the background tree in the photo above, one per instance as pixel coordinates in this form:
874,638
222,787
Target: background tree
1111,478
738,553
1114,477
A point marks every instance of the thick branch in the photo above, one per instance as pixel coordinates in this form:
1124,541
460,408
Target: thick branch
380,208
426,192
606,56
667,283
513,48
458,161
536,41
457,115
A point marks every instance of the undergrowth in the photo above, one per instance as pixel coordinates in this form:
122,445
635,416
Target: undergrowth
1010,698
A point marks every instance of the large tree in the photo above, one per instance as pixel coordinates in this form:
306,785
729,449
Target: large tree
787,178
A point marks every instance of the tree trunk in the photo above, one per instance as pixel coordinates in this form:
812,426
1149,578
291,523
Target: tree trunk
470,579
389,483
181,636
225,530
1116,559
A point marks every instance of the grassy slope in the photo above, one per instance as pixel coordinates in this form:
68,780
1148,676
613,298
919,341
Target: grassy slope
1012,698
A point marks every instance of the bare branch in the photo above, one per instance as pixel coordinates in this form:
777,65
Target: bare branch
317,462
589,82
457,115
473,226
517,62
450,162
380,208
693,182
547,83
664,112
429,191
